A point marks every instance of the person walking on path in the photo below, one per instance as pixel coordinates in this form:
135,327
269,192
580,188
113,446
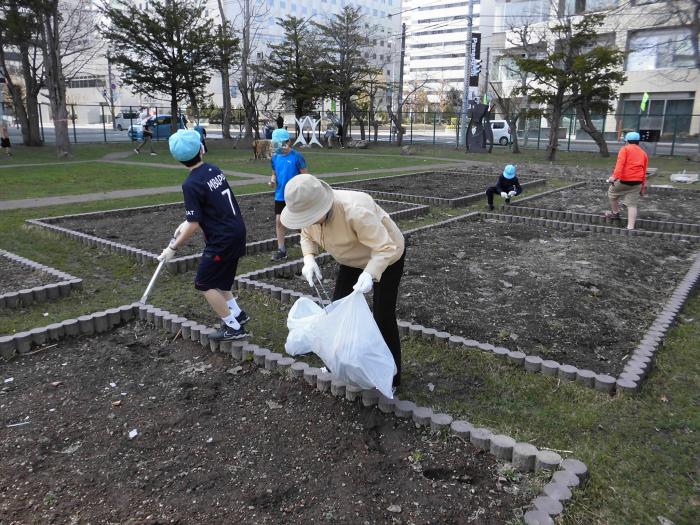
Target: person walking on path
286,164
361,237
628,180
507,186
5,140
147,129
211,206
280,121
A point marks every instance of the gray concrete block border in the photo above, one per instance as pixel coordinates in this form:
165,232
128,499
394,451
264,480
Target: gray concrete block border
187,262
629,380
689,231
63,286
572,473
456,202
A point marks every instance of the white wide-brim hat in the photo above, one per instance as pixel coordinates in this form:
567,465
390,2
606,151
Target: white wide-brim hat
308,201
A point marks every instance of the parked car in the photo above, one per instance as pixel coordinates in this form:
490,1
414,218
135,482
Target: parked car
501,132
124,119
161,127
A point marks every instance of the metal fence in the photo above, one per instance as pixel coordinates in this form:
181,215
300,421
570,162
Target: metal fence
677,134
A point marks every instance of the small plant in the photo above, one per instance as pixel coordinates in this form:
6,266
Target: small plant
416,456
50,499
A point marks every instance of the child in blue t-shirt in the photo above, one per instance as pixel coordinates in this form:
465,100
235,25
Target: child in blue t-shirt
286,163
211,206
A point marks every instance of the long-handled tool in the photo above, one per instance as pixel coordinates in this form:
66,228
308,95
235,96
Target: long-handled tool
145,295
320,283
159,269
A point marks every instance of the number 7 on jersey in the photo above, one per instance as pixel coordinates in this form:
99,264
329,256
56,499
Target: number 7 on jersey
227,192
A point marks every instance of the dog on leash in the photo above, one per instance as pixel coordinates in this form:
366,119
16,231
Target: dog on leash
262,149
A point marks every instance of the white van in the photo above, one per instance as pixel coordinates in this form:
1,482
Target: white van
501,132
124,119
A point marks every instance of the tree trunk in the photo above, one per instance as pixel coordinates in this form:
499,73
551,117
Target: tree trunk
248,101
584,118
55,82
360,119
226,91
553,141
513,122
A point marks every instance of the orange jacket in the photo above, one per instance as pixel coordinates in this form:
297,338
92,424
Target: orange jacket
631,164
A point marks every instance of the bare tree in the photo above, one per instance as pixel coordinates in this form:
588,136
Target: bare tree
227,53
397,117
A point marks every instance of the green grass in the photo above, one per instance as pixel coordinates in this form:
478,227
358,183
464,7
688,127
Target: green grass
72,179
642,450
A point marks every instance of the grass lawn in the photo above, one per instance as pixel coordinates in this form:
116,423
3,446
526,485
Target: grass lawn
71,179
642,450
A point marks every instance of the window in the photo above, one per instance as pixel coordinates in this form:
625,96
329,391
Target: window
86,82
293,8
659,49
670,115
303,10
388,73
498,125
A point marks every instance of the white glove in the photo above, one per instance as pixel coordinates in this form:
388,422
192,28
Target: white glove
310,269
179,229
364,282
167,254
504,195
511,193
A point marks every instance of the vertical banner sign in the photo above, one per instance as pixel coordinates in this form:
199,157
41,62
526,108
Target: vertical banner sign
476,54
645,99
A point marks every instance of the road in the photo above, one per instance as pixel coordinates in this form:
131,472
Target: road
95,134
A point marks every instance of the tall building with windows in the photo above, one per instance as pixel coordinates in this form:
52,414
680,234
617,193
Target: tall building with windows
436,35
659,60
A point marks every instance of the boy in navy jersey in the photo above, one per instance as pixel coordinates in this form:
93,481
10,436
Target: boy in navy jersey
211,206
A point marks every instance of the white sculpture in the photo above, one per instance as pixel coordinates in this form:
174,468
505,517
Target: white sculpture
310,123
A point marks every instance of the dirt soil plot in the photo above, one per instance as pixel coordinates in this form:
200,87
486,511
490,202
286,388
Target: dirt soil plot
444,185
151,229
682,206
577,298
16,276
219,443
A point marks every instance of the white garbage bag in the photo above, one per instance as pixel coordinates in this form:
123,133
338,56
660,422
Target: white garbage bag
346,338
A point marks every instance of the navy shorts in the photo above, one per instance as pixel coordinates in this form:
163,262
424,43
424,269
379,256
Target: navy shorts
279,206
217,269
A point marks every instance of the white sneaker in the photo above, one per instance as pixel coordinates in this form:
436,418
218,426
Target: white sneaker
136,151
153,153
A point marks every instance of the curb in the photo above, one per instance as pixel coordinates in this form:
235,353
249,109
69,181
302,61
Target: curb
39,294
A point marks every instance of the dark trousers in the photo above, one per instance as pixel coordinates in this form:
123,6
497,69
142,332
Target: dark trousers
385,293
490,192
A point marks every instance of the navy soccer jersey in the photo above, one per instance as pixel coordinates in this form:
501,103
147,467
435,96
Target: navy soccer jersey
210,202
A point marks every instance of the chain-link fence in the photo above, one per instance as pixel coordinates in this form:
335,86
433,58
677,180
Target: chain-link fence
672,134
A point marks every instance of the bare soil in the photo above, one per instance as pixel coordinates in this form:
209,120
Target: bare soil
682,206
578,298
219,443
16,276
152,228
444,185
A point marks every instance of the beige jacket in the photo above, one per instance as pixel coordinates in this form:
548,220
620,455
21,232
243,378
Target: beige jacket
358,234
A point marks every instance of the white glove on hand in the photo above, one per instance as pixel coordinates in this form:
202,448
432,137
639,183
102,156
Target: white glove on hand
504,195
167,254
364,282
310,269
511,193
179,229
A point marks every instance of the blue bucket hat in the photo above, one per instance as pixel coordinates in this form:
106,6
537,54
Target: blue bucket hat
280,135
509,171
632,135
185,144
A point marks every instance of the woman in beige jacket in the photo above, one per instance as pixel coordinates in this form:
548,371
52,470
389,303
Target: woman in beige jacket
360,236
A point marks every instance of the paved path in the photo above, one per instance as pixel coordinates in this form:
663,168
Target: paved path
250,178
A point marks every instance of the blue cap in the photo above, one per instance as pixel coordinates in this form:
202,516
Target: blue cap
632,135
280,135
185,144
509,171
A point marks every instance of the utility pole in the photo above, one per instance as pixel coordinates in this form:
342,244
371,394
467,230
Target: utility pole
400,98
245,56
111,90
467,75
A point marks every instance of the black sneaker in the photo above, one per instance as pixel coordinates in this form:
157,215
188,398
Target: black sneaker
491,208
242,318
226,333
279,255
